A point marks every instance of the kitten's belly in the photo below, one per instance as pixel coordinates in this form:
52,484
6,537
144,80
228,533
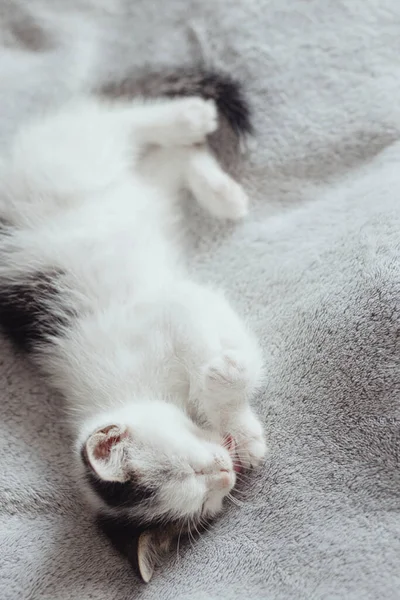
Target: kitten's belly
111,258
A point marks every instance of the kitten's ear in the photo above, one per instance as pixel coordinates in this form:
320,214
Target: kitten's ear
143,549
104,451
153,546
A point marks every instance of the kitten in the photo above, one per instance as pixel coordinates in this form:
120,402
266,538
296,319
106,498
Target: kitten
156,369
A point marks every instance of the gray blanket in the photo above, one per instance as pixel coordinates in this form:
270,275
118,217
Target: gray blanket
315,267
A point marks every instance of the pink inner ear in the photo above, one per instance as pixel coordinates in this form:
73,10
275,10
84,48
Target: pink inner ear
112,436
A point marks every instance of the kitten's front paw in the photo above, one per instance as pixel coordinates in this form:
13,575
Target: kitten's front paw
196,119
251,451
229,370
249,440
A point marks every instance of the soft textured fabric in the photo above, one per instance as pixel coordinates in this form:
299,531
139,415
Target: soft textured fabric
315,267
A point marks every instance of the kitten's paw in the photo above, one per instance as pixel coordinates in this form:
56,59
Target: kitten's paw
251,451
196,118
227,199
229,370
249,439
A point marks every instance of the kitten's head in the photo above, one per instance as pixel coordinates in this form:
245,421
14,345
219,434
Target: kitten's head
151,469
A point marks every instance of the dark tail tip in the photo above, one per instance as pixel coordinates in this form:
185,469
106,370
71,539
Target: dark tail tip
230,99
226,91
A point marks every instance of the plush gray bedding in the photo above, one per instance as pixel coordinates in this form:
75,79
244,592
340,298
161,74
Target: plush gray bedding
315,267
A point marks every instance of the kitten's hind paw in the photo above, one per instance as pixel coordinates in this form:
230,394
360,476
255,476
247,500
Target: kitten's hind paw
221,195
228,200
192,119
199,117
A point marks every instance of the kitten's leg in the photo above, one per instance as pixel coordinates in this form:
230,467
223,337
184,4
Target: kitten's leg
225,367
197,169
87,146
228,382
177,122
213,188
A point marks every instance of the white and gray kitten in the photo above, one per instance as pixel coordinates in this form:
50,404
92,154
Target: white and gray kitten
156,369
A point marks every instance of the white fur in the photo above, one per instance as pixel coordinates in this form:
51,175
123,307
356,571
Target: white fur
92,190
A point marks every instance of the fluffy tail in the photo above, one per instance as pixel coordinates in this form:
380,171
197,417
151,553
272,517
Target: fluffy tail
222,88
